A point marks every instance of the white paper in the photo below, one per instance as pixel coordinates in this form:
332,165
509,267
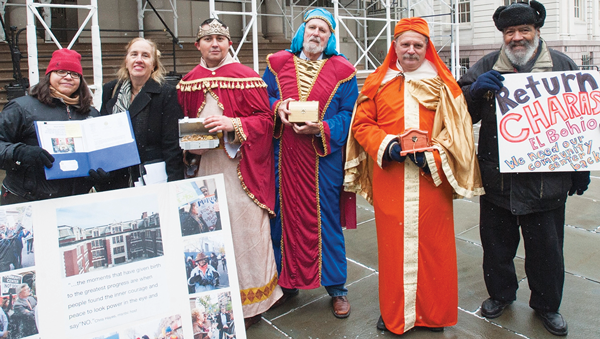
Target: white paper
156,173
84,135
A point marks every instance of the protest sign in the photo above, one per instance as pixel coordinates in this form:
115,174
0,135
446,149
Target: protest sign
548,122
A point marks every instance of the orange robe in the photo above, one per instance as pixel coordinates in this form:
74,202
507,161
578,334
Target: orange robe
414,217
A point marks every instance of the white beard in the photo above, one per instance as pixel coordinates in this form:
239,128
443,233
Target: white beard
520,58
312,48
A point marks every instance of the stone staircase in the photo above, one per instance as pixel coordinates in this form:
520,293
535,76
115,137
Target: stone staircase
112,56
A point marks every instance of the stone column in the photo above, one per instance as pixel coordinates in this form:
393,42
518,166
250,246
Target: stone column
272,27
47,15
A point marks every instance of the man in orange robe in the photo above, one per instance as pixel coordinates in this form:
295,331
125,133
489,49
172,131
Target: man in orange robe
412,193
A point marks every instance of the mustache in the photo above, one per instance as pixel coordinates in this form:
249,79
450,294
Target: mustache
314,39
411,57
519,43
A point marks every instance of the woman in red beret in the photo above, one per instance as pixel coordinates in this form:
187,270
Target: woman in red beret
61,95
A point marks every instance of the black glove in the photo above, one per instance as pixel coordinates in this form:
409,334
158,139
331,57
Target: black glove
99,175
26,155
418,158
393,150
488,81
205,282
195,279
580,182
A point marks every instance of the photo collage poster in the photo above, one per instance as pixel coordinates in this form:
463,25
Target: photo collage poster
153,262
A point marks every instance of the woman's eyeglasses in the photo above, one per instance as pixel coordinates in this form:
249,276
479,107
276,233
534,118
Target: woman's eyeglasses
63,74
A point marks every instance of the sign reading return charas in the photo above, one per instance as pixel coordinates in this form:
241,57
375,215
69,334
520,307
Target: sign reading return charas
549,122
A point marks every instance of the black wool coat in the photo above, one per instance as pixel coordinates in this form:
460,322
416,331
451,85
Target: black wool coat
154,113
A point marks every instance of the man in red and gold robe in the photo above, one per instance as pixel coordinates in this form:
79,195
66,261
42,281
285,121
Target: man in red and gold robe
232,98
307,231
412,192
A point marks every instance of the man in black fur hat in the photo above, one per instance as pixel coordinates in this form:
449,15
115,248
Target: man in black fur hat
535,202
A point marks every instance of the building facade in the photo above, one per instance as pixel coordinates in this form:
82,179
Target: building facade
87,249
571,27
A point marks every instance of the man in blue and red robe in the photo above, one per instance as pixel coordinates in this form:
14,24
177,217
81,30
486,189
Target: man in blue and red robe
307,230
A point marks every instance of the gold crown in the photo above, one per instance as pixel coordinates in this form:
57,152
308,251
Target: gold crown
214,27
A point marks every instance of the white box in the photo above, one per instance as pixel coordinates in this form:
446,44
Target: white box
193,135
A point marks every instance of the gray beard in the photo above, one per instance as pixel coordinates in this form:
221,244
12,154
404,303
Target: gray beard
522,57
311,48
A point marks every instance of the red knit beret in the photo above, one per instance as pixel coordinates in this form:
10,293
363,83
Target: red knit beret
66,60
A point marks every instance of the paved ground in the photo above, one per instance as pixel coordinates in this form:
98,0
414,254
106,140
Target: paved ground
309,314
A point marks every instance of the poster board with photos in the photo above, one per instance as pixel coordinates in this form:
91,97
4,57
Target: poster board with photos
122,264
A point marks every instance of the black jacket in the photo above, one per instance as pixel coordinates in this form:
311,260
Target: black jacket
17,128
521,193
154,113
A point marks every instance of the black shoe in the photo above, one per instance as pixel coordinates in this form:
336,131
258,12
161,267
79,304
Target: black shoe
492,308
287,294
436,329
381,324
554,322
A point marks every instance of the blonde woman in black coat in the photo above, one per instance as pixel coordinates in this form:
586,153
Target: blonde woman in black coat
154,111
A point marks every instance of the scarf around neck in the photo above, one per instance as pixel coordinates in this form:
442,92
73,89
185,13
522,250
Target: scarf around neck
123,98
66,99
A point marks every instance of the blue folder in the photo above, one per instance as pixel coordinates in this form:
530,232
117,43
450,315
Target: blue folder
109,159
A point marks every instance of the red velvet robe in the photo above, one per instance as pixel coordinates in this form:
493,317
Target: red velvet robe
241,94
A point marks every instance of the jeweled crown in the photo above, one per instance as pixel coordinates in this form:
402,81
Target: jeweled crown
214,27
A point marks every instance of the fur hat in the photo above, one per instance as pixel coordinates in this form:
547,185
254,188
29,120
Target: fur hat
520,14
65,60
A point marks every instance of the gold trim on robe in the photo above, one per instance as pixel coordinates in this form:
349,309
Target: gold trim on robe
454,141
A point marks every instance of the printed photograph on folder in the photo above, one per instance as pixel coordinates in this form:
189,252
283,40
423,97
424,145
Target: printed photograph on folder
110,233
212,316
206,267
63,145
199,207
16,237
18,304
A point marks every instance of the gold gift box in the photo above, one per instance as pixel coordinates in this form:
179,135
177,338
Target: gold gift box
193,135
303,111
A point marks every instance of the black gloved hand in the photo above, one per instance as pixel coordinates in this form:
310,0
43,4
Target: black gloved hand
100,176
195,279
418,159
205,282
580,182
26,155
393,151
488,81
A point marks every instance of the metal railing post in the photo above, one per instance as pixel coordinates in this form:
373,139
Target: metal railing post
32,52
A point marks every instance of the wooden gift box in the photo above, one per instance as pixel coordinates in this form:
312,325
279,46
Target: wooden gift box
193,135
413,141
303,111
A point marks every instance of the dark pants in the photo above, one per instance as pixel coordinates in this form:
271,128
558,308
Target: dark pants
7,198
543,236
